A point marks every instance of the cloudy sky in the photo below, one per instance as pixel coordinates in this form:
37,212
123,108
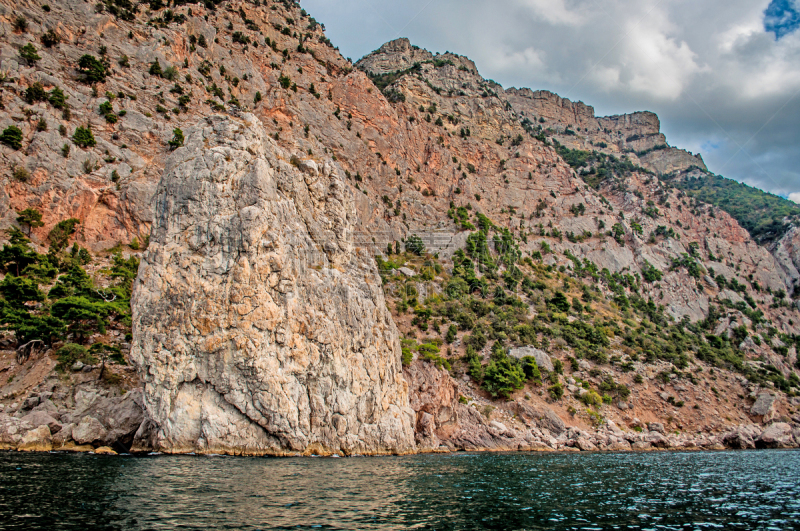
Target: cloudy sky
723,75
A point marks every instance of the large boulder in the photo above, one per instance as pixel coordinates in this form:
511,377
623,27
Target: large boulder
259,328
542,358
40,418
89,431
738,441
778,435
763,405
741,438
120,417
619,446
37,440
658,440
11,431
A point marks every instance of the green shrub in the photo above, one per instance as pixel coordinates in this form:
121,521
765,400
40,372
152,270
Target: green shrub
170,73
20,24
57,98
556,391
71,353
83,137
451,333
240,37
60,234
12,137
107,352
531,369
50,38
650,273
28,54
92,69
415,245
83,316
559,302
177,139
477,339
502,377
430,352
19,290
155,69
107,111
30,217
35,93
20,174
408,356
591,398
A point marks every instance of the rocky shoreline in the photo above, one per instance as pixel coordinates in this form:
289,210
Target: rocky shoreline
114,425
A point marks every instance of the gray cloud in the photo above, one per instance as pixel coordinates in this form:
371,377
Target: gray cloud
720,83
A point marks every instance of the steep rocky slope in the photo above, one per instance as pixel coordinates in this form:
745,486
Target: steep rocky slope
341,161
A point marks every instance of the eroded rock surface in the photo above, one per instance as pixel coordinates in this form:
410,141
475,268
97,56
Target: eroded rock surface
259,329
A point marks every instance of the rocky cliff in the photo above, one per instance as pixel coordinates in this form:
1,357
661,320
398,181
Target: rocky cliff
259,328
277,196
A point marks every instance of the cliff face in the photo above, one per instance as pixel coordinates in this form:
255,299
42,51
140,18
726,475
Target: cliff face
637,135
258,327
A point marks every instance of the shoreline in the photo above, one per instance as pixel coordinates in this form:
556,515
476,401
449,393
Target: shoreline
106,451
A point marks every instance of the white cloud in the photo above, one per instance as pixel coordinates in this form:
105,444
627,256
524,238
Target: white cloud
795,197
553,11
607,77
529,60
658,65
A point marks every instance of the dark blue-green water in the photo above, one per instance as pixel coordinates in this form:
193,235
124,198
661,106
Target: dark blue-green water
725,490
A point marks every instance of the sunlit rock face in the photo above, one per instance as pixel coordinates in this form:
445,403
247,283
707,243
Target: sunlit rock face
259,328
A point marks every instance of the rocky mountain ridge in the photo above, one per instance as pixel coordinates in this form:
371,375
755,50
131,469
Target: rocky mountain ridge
403,144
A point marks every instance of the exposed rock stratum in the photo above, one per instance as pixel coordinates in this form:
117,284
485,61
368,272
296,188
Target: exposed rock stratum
259,327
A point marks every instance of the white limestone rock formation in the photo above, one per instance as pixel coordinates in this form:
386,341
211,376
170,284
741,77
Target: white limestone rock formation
258,327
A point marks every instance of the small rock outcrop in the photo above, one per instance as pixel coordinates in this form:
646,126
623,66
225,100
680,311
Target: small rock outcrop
258,327
443,420
763,405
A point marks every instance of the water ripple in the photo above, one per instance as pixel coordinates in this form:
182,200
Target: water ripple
663,491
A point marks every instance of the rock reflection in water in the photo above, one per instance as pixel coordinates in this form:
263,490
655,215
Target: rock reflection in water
731,490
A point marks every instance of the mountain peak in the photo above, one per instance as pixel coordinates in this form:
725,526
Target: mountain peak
399,55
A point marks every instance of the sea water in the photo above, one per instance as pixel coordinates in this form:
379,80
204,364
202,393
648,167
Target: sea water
591,491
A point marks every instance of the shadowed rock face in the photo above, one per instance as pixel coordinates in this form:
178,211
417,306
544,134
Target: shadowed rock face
258,328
